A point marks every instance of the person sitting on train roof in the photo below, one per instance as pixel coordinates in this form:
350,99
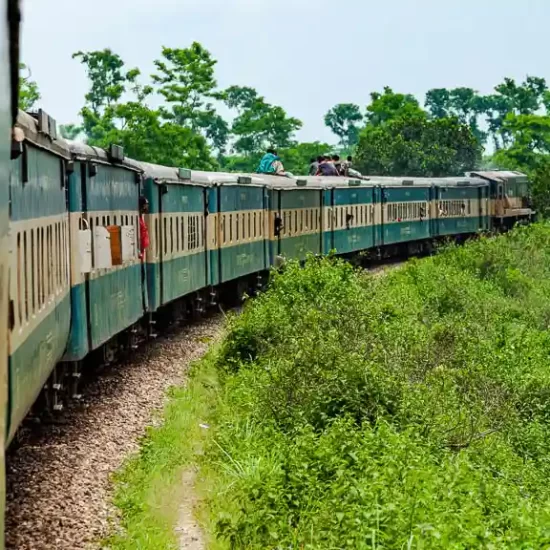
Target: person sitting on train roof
271,164
314,165
337,164
327,168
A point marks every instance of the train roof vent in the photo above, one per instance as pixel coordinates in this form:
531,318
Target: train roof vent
407,182
46,124
245,180
301,183
354,183
463,183
184,174
116,152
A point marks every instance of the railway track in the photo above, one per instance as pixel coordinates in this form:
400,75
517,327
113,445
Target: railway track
58,472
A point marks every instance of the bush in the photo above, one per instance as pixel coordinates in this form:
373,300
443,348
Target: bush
404,411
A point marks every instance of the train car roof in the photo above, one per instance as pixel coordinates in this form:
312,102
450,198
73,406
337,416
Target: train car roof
83,151
168,174
499,175
41,130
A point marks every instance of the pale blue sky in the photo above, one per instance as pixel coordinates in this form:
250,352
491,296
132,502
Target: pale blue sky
305,56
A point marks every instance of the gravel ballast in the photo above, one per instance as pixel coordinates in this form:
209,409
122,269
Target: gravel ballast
58,475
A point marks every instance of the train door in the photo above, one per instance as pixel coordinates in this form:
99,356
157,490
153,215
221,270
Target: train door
276,226
499,207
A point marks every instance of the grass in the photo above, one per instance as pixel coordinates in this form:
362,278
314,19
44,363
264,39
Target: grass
148,489
351,411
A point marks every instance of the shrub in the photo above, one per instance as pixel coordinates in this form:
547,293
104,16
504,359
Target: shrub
404,411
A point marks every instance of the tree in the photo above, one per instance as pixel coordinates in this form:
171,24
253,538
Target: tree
297,159
463,103
416,146
260,125
342,119
29,94
528,152
389,105
142,131
185,78
240,97
70,131
108,80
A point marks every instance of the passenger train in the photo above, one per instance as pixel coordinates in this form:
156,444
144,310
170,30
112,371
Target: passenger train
9,85
79,291
75,291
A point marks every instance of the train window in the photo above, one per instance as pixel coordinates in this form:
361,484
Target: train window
60,253
243,226
261,224
33,274
249,234
25,275
39,267
164,243
157,246
177,234
230,228
47,257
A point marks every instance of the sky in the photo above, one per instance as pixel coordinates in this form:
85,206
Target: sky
304,55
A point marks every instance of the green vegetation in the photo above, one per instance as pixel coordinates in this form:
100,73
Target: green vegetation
352,411
148,488
393,134
29,94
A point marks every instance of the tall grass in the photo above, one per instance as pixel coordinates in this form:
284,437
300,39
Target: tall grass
405,411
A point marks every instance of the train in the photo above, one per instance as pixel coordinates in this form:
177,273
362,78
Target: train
9,88
76,289
79,290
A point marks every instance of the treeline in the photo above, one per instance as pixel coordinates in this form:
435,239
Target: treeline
394,135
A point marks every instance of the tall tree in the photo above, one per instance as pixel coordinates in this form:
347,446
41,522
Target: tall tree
463,103
29,94
343,120
185,78
260,125
132,123
389,105
417,146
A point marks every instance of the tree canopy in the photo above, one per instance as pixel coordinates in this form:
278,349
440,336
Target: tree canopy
196,124
29,94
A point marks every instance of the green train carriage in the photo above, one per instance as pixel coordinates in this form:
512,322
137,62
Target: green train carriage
177,258
106,276
39,269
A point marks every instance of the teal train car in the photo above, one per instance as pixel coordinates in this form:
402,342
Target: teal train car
9,88
177,260
40,306
404,211
348,214
460,206
241,223
106,272
295,219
